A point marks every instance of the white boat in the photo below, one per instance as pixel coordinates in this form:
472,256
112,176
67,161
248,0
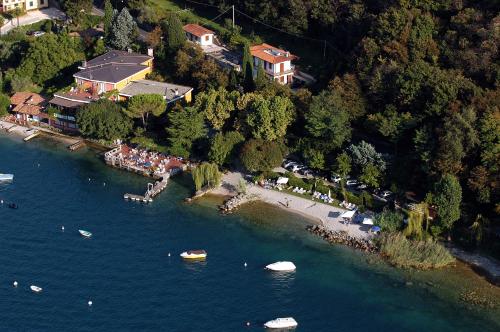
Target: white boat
282,323
194,255
281,266
6,177
85,233
36,289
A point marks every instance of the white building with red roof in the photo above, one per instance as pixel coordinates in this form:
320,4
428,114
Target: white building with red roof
277,63
198,34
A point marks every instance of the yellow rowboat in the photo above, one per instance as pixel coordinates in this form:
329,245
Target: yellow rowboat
194,255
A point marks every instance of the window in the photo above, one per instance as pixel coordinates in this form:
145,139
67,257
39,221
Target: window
207,38
42,2
31,3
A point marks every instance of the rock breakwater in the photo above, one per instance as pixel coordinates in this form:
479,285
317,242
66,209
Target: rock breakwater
342,237
234,202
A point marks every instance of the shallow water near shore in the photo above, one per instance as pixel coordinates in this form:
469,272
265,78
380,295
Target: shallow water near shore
134,285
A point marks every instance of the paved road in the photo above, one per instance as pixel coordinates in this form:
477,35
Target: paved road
34,17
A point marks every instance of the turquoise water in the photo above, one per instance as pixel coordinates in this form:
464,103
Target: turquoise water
135,286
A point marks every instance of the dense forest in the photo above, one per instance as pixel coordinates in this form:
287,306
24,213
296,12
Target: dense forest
419,79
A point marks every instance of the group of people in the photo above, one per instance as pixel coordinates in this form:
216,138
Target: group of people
148,160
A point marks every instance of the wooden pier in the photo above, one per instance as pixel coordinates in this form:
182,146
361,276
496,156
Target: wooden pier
77,145
152,191
35,134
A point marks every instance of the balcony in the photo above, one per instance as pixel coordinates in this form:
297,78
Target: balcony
281,73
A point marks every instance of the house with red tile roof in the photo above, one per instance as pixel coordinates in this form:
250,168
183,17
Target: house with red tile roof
198,34
28,106
277,63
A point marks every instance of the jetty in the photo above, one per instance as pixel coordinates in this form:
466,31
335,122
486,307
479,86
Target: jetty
77,145
35,134
147,163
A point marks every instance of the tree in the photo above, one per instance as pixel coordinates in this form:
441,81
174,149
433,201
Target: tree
223,146
77,9
448,198
141,106
343,168
328,121
266,118
370,175
18,11
4,104
364,154
315,158
123,30
261,80
186,127
108,17
206,174
258,155
99,47
103,120
174,33
49,57
348,88
154,38
47,27
21,83
247,69
217,105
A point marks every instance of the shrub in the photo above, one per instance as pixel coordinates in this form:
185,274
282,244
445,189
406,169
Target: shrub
405,253
297,182
258,155
389,221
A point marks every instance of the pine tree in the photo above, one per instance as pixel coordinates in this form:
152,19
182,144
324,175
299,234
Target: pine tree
123,30
175,36
247,69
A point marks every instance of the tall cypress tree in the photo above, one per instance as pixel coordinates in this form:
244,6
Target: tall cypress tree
247,69
108,17
261,79
175,36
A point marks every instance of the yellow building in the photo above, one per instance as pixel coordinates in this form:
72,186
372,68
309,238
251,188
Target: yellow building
8,5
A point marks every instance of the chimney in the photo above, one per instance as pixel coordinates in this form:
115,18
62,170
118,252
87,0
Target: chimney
84,63
150,52
176,92
287,54
129,50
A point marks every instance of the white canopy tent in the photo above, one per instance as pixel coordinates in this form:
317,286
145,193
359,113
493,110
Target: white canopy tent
367,221
348,214
282,180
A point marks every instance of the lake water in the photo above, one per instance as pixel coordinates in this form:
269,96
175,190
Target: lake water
135,286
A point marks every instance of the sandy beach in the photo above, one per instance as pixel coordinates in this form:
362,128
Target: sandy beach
328,215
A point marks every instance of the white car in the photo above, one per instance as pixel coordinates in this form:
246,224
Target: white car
386,193
351,182
335,178
38,33
362,186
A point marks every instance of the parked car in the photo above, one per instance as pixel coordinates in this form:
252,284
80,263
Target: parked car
351,182
335,178
386,194
36,33
362,186
287,163
306,171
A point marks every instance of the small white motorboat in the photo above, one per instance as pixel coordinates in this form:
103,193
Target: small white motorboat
282,323
281,266
85,233
6,177
36,289
194,255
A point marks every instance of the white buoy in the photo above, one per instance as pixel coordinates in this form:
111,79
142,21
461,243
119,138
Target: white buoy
90,303
248,323
15,283
245,264
1,201
104,184
38,165
89,179
62,228
168,254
